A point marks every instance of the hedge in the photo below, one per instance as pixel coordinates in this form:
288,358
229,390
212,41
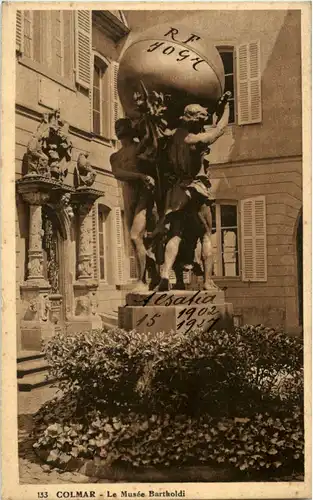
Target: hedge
172,398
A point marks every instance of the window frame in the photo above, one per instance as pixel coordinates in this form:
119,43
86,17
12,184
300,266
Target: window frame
231,49
31,36
129,252
103,63
45,67
106,228
61,40
218,230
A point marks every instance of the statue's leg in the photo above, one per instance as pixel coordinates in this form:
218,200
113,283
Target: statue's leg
171,250
136,235
207,247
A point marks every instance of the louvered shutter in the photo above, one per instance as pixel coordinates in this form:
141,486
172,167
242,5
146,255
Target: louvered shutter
253,239
249,102
116,110
118,232
19,31
133,273
83,25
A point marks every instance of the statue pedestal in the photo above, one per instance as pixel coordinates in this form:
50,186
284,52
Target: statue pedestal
176,310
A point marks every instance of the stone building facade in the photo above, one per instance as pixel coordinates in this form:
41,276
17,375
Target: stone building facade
74,259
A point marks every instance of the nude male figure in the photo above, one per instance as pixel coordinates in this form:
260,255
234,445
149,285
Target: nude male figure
188,199
137,192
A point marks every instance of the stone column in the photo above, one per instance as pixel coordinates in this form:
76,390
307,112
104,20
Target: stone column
35,253
85,242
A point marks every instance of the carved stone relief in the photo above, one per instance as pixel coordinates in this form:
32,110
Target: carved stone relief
49,150
85,174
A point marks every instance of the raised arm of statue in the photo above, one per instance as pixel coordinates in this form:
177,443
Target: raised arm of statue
214,132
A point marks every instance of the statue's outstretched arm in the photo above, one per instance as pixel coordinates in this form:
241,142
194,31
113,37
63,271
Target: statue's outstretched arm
211,135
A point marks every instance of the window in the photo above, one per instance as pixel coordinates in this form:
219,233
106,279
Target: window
227,56
96,108
57,41
103,239
100,98
225,240
47,38
28,33
131,270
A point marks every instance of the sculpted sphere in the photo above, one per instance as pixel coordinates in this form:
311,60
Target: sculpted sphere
173,60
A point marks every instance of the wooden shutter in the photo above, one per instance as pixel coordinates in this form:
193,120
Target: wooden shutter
118,235
19,31
253,239
83,48
115,102
249,102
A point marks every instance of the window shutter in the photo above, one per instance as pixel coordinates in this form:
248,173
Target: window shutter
19,31
133,266
253,239
83,47
249,102
116,110
118,232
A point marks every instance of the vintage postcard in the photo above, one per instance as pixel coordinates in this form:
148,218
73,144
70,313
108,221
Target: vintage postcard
156,250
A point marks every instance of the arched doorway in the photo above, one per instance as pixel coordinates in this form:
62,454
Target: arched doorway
299,250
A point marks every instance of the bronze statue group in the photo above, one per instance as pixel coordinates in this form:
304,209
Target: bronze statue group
164,170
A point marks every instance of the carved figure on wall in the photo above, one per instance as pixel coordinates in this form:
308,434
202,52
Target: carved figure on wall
49,150
136,173
45,307
82,306
64,204
84,172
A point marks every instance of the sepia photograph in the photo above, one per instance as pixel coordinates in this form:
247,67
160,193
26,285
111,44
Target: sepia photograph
162,300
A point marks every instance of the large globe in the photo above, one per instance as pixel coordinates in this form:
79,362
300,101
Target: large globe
173,60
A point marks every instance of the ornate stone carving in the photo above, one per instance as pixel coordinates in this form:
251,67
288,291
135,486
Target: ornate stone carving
93,303
50,245
64,204
82,306
45,307
84,172
35,197
35,256
85,242
55,308
49,150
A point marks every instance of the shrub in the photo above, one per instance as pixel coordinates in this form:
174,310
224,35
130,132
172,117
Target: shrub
223,374
172,398
261,443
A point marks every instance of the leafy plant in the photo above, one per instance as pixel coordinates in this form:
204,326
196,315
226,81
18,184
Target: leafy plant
261,443
252,369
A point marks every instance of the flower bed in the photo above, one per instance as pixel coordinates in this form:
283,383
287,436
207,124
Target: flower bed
173,399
